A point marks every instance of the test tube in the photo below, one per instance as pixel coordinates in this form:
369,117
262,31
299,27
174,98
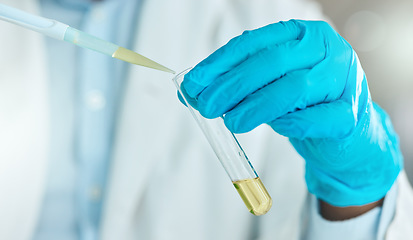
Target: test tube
232,158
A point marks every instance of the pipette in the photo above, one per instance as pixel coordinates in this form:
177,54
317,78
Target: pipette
61,31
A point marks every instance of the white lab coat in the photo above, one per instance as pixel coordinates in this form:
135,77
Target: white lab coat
165,182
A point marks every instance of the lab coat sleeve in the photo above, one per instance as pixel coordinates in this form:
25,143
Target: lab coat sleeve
401,225
369,226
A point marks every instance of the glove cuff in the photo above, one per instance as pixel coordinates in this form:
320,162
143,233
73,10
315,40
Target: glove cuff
370,165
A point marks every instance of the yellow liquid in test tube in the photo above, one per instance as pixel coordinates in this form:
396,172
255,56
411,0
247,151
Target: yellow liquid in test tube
254,195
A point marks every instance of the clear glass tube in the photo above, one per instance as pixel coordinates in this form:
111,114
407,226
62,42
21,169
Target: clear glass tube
232,158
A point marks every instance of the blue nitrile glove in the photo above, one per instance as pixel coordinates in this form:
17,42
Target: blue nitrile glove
306,82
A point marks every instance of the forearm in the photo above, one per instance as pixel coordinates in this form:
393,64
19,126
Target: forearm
333,213
372,224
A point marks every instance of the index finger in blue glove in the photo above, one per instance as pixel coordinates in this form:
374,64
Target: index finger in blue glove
236,51
258,71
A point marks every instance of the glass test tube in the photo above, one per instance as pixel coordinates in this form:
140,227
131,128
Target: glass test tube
232,158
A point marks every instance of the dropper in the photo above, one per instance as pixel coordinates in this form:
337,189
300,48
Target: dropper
64,32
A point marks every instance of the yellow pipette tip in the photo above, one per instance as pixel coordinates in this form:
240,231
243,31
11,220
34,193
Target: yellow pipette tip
135,58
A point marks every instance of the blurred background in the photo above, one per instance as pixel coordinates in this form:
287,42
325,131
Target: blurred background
381,31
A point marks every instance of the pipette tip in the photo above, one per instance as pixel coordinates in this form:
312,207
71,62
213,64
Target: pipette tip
135,58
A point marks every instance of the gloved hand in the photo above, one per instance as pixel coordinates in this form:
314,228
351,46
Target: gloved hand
306,82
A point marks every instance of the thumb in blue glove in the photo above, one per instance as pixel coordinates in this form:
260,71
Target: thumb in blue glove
306,82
